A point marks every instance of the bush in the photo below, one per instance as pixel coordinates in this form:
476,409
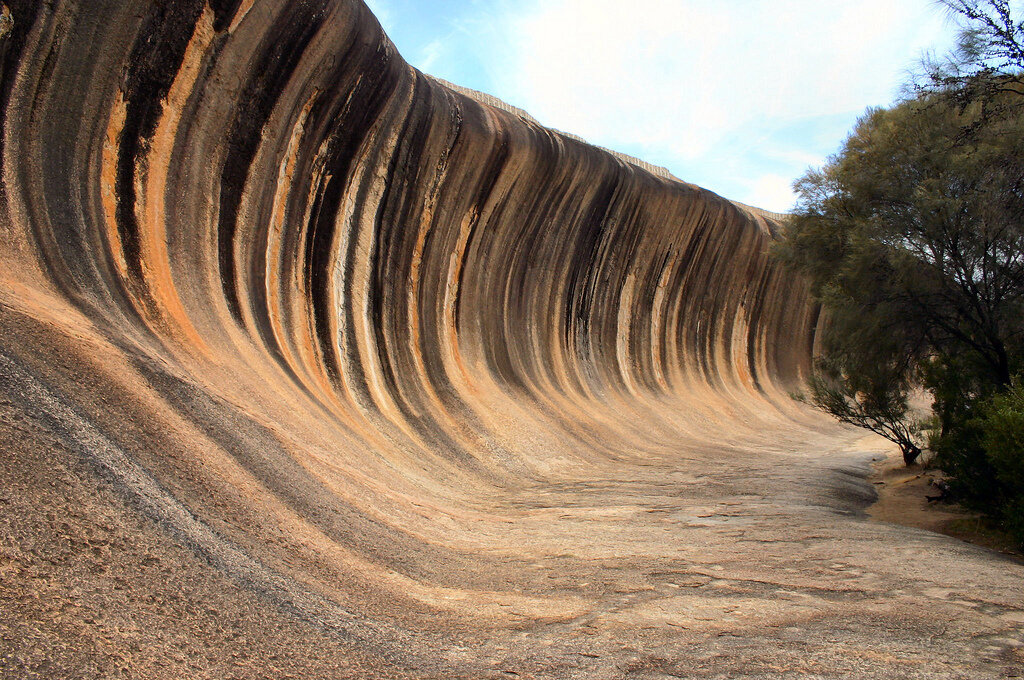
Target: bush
960,453
1003,442
984,458
1013,520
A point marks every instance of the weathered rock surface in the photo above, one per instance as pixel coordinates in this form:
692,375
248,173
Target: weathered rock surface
311,366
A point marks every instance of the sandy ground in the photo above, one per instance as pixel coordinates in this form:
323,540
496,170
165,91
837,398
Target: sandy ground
903,499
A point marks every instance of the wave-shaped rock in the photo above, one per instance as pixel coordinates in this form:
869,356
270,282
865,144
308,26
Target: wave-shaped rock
338,370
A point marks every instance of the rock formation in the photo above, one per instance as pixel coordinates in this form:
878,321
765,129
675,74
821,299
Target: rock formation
312,365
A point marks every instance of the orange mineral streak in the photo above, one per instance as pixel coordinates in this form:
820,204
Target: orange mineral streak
302,353
152,205
108,182
243,10
455,365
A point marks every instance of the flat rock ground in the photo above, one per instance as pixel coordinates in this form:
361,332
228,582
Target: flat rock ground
756,565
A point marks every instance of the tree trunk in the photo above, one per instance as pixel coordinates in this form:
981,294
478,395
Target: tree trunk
910,453
1003,366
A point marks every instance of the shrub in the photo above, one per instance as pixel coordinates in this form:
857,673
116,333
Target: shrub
984,457
1003,442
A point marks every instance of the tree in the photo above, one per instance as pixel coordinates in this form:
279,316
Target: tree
985,68
988,58
912,238
864,374
875,399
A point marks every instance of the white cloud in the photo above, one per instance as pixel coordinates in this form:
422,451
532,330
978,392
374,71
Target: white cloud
685,80
772,192
430,55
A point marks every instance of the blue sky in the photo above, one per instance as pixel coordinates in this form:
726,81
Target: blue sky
738,96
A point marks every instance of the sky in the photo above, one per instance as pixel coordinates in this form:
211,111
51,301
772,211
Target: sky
738,96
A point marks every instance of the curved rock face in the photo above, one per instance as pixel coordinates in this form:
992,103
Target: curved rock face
337,370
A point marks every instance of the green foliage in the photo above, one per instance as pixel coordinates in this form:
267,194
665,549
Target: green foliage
1003,441
1013,520
912,237
861,378
1004,435
921,231
984,455
960,454
987,59
873,397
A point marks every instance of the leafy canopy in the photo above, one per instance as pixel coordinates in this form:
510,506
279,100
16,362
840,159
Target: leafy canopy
912,236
